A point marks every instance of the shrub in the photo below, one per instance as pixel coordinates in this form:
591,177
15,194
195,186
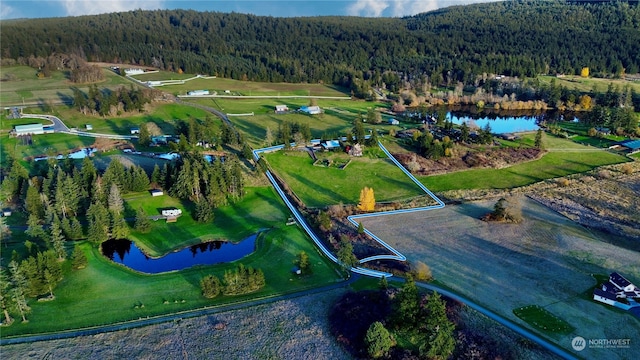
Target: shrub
421,272
626,169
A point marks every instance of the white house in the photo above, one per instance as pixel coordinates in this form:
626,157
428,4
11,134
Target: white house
198,92
311,110
133,71
156,192
171,212
280,109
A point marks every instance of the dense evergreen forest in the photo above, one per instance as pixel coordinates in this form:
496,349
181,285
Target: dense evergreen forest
522,38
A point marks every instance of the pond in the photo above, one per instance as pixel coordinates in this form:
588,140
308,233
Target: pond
498,124
126,252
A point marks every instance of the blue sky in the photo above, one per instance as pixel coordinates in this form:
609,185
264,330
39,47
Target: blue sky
12,9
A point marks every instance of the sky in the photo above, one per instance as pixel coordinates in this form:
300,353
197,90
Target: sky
14,9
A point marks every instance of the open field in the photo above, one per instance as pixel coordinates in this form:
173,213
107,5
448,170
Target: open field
547,261
105,293
587,84
564,157
321,186
27,88
164,115
237,87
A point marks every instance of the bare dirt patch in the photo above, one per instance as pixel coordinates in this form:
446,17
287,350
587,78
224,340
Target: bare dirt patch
546,260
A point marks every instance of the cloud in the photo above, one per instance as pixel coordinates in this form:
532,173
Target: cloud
6,11
397,8
92,7
373,8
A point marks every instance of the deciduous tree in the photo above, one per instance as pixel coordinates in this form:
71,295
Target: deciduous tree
367,199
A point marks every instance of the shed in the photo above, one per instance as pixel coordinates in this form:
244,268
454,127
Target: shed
171,212
29,129
135,130
6,212
633,145
156,192
311,110
198,92
394,122
330,144
280,109
88,127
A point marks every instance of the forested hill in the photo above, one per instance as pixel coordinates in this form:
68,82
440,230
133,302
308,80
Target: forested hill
510,37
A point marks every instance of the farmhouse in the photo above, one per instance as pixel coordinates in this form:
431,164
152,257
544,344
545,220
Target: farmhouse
198,92
281,109
618,292
311,110
171,212
31,129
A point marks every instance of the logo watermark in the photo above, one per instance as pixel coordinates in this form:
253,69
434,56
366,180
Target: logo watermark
579,343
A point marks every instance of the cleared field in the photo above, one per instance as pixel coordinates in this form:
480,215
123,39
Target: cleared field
546,261
321,186
25,87
587,84
565,157
105,293
237,87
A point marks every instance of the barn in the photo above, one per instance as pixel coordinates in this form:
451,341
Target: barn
29,129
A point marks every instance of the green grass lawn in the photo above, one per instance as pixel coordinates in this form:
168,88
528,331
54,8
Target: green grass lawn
237,87
28,88
44,144
165,116
106,293
259,209
565,157
321,186
543,320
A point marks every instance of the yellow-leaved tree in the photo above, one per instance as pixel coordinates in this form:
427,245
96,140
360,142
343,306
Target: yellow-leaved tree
367,199
584,72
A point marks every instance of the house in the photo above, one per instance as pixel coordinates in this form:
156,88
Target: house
393,121
281,109
311,110
29,129
156,192
130,72
6,212
171,212
330,144
198,92
135,130
88,127
618,292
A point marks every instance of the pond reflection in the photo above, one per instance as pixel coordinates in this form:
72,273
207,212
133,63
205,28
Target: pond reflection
126,252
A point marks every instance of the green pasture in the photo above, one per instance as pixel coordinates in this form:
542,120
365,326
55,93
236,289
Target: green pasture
259,209
564,157
46,144
107,293
586,85
236,87
26,88
543,320
166,116
321,186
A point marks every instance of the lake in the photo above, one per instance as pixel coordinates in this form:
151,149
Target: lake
126,252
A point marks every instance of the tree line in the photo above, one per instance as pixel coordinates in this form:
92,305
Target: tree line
515,38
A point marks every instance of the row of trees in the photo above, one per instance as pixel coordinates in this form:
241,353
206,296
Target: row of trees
450,45
241,280
107,102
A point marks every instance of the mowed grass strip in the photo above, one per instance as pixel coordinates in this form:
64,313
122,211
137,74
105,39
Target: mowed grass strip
564,158
543,320
107,293
259,209
321,186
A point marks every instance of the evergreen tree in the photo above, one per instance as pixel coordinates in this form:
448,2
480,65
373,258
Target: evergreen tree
119,227
144,137
440,341
378,340
5,289
78,258
211,286
142,222
35,230
345,254
18,289
98,217
407,311
156,176
33,202
57,239
76,229
538,140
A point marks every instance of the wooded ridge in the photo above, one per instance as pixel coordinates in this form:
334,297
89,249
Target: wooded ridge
522,38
